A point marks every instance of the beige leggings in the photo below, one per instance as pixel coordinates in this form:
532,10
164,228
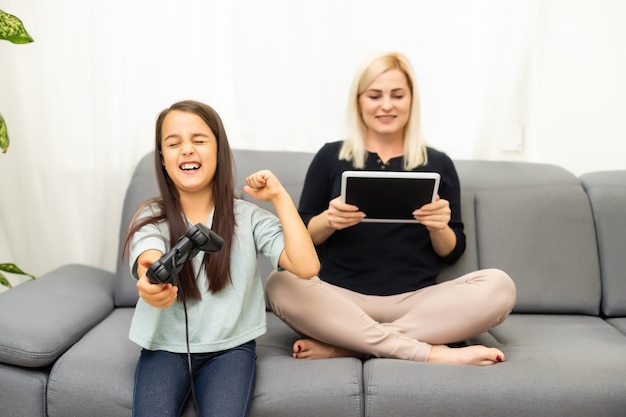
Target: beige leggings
403,326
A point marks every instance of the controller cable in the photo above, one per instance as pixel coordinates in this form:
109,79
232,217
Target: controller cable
184,299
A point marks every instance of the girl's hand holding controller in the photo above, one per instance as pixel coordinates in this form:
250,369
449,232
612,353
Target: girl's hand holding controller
156,295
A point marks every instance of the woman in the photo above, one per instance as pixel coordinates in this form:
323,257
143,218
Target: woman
198,336
376,293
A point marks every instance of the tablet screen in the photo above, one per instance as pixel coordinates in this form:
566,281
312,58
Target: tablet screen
389,196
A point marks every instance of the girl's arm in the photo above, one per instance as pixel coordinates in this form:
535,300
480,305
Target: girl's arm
299,256
156,295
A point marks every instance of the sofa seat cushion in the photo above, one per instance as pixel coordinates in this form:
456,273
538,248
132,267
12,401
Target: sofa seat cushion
556,365
23,392
619,323
288,387
97,373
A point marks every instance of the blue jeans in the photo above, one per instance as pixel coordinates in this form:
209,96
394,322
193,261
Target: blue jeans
224,382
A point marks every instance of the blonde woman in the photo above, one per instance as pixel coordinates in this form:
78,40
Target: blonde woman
376,293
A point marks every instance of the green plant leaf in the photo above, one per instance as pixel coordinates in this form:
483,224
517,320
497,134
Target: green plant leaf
12,268
5,282
4,135
12,29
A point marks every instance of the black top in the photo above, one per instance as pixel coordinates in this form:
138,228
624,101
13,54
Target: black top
379,258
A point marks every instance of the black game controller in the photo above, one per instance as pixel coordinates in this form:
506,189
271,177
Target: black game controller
198,238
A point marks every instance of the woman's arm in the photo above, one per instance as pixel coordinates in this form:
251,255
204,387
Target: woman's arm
436,218
442,218
337,216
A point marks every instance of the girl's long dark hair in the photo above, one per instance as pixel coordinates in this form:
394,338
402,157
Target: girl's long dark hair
216,265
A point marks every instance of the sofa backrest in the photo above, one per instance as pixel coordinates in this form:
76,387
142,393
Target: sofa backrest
533,221
607,193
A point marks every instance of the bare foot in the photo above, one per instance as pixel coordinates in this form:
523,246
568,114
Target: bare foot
314,349
469,355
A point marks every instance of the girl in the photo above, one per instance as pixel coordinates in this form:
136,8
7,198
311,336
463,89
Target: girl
204,329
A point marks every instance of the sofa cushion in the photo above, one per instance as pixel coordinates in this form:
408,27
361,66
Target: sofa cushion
619,323
607,193
288,387
543,237
23,392
534,222
97,373
555,365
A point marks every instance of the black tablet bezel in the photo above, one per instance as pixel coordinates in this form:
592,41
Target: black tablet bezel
389,196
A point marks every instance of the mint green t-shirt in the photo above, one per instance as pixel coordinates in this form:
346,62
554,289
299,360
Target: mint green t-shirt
219,321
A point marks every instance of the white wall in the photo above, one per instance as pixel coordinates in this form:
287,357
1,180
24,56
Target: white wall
579,104
532,80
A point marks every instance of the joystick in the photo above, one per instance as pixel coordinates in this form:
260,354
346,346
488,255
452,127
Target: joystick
198,238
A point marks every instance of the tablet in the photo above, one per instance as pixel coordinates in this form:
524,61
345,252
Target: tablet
386,196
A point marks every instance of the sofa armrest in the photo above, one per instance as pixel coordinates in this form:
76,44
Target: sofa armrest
41,319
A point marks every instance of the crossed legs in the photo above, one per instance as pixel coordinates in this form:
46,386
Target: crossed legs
414,326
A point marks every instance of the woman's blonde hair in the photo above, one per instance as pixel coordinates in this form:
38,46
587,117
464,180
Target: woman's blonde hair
353,148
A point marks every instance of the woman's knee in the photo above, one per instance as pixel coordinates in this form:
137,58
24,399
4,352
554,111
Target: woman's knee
503,286
284,291
278,282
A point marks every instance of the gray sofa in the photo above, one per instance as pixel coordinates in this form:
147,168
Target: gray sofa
64,349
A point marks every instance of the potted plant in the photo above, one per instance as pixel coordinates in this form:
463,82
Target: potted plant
12,30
